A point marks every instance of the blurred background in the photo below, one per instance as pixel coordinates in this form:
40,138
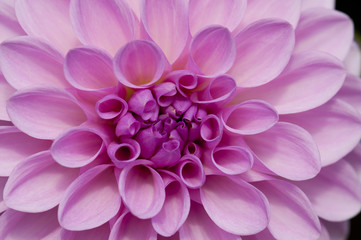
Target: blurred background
353,9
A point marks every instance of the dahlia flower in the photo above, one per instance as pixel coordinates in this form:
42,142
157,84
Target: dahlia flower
178,119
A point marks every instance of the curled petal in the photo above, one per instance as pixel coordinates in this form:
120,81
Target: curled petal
190,170
168,155
192,148
142,189
149,138
249,117
211,130
139,64
108,24
22,191
263,51
185,81
164,93
44,112
101,232
127,126
288,150
143,103
212,51
5,93
91,200
123,153
234,205
111,106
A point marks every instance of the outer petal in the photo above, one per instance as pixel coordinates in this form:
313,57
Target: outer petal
337,230
9,26
29,62
353,60
354,158
288,150
3,207
44,112
91,200
101,232
5,92
335,192
263,50
291,213
324,30
318,3
234,205
22,191
351,92
335,127
108,24
15,146
18,225
166,22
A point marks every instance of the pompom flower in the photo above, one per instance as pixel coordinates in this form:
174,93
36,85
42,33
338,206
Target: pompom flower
178,119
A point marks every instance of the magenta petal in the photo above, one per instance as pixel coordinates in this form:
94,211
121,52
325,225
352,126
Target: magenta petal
108,24
39,18
191,171
127,126
13,150
234,205
168,154
101,232
142,189
131,227
212,51
124,153
5,93
22,191
139,64
44,112
166,22
89,69
336,187
149,138
143,104
199,226
91,200
164,93
211,130
249,117
28,62
19,225
291,213
263,50
111,106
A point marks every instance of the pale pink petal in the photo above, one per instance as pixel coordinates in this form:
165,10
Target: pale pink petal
135,6
212,51
263,50
351,92
249,117
166,22
44,112
291,213
9,26
5,92
107,24
265,234
29,62
288,150
324,30
336,187
199,226
318,3
352,61
297,89
19,225
142,189
234,205
335,127
89,69
225,13
129,227
15,146
139,64
98,233
3,207
337,230
48,20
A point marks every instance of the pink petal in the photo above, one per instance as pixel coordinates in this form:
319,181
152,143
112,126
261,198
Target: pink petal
291,213
212,51
234,205
335,192
164,93
288,150
91,200
199,226
225,13
48,20
3,206
351,92
297,89
263,50
108,24
15,146
9,26
335,127
353,60
22,191
166,22
354,158
142,189
318,4
143,104
19,225
101,232
265,234
28,62
324,30
89,69
337,230
5,92
130,227
127,126
168,155
211,130
44,112
191,172
124,153
139,64
135,6
249,117
111,106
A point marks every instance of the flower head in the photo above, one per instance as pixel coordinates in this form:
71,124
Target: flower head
184,119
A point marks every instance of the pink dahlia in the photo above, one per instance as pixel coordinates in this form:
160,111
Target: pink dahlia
178,119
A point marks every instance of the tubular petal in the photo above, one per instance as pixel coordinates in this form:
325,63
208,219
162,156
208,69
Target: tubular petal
164,93
127,126
124,153
190,171
111,106
143,104
168,155
211,130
